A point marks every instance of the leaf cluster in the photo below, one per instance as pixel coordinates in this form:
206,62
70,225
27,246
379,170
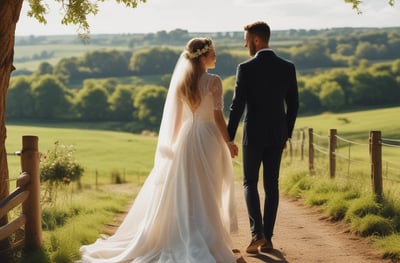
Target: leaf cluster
75,11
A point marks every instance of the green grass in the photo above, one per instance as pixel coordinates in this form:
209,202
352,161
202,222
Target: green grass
76,218
100,152
390,245
355,125
86,214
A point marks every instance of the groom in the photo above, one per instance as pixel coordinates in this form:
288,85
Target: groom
266,90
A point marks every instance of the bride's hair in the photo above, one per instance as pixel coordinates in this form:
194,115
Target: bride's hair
194,50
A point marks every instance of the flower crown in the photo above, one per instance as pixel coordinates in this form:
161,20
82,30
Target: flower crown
198,52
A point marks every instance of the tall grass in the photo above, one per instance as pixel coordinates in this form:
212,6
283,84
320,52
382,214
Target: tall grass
86,213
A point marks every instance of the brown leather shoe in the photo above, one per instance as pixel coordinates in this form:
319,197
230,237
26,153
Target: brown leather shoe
255,243
267,246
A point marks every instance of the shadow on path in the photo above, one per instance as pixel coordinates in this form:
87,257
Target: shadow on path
272,256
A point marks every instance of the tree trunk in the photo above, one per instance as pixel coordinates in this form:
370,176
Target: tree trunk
9,15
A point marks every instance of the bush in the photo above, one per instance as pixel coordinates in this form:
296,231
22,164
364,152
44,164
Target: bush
58,167
336,208
372,225
362,207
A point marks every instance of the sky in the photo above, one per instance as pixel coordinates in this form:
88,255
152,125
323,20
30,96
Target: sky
216,16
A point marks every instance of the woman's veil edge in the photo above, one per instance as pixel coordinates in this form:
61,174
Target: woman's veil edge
170,118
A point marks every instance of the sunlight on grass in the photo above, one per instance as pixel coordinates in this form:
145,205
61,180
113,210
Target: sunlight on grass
390,244
84,215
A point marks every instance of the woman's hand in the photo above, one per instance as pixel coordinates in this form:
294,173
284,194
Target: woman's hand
234,150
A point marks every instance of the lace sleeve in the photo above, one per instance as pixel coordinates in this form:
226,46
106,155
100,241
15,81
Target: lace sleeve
216,90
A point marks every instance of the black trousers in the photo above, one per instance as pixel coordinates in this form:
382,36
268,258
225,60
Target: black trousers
270,157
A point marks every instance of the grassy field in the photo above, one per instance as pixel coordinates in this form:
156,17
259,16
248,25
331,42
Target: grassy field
355,125
98,151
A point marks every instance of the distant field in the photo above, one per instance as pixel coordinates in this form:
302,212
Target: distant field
356,125
60,51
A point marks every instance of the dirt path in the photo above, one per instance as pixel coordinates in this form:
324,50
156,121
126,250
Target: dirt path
302,235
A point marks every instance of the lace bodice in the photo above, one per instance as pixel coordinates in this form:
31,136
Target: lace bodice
211,99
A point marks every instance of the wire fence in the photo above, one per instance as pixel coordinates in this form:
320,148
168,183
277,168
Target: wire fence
376,157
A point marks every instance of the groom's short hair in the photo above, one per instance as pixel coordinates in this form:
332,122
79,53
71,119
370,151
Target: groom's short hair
260,29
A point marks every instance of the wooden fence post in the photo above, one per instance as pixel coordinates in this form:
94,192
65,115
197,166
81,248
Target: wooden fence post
375,150
31,207
332,149
310,150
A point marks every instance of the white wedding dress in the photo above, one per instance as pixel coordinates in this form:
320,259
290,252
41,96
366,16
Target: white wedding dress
185,210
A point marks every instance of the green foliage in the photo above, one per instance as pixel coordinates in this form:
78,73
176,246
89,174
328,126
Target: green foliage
38,10
92,103
312,54
20,101
121,104
296,183
44,69
54,217
50,98
372,224
35,256
75,11
390,245
336,208
156,60
59,165
105,63
362,207
332,96
149,102
317,198
86,213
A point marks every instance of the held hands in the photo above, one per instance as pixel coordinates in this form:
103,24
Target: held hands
234,150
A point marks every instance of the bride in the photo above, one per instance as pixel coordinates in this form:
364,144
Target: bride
185,209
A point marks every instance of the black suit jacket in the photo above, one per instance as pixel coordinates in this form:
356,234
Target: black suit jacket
266,91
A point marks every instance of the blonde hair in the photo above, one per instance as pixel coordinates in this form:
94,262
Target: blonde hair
194,50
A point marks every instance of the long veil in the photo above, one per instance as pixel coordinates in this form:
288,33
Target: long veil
171,119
